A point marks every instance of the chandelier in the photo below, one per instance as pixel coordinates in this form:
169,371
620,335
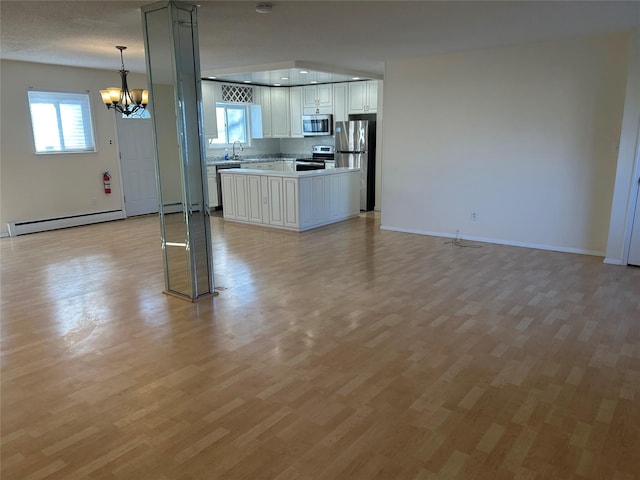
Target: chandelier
122,99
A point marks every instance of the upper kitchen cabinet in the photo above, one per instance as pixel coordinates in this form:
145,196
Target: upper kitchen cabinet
295,106
317,99
280,112
363,97
262,96
340,102
274,103
211,93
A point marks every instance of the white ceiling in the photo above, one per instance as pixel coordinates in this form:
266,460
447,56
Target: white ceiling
342,37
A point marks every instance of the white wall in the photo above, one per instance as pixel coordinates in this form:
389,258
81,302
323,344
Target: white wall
48,186
524,136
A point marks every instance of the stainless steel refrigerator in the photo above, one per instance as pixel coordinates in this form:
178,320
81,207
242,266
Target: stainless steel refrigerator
355,148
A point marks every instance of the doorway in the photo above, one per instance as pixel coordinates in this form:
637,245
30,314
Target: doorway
634,242
137,160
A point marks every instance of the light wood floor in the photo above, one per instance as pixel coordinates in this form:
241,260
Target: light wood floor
341,353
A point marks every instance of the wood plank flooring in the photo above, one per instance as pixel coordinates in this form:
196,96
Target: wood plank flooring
345,352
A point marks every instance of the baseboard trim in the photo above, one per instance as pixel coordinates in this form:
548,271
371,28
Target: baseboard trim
498,241
613,261
34,226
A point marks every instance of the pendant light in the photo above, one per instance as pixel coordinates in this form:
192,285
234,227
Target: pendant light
122,99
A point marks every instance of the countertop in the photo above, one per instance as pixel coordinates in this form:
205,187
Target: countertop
247,160
304,173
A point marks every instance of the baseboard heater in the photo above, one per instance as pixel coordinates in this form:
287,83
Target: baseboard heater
33,226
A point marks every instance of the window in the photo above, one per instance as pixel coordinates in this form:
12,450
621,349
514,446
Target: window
232,124
143,113
61,122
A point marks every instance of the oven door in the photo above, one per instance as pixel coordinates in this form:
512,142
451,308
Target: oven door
302,166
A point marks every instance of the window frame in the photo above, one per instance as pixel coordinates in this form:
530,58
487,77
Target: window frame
57,99
216,143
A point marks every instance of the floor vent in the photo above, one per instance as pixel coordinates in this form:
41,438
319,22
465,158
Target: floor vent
21,228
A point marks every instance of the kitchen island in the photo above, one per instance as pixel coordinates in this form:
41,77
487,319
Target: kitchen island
290,200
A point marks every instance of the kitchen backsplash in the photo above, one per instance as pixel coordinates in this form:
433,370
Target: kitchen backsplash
291,146
275,147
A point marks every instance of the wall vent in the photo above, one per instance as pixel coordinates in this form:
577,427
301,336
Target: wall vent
237,94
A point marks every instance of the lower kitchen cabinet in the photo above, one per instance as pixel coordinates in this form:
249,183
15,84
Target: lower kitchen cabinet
254,199
242,202
293,201
276,201
229,196
212,184
291,217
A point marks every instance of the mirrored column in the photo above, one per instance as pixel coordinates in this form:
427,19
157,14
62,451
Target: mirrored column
170,32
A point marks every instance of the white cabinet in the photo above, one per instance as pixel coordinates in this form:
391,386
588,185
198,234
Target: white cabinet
254,198
280,112
276,207
242,203
212,184
317,99
262,96
293,202
290,214
319,200
282,202
295,110
211,92
339,199
274,102
363,97
340,103
328,199
229,196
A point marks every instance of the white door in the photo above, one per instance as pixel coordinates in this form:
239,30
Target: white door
135,139
634,247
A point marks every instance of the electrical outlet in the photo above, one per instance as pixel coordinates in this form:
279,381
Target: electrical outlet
474,216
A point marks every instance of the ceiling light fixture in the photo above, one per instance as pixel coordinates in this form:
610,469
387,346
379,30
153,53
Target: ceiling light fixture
264,8
304,72
122,99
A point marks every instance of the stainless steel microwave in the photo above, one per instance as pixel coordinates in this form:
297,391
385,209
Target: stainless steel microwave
315,125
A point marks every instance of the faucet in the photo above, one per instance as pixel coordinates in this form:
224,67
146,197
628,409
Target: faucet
234,155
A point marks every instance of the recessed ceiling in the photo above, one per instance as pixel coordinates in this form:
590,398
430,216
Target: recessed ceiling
290,74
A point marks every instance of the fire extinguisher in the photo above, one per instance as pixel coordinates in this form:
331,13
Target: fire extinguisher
106,179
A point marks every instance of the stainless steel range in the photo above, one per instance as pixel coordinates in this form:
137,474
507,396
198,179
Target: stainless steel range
321,157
